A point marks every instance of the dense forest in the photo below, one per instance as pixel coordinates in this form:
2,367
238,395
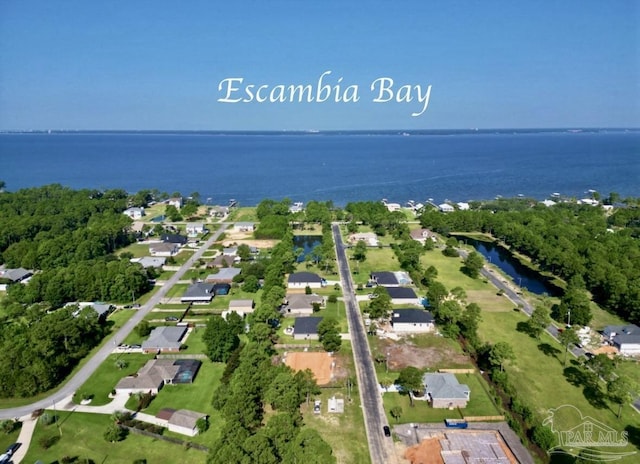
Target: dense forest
579,243
68,238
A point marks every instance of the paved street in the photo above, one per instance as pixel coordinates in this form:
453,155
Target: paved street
381,448
88,369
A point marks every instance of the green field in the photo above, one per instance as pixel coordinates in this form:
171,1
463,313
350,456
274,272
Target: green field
80,436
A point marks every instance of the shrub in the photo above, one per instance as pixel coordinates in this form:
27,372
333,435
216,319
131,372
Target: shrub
543,437
48,419
333,298
115,433
47,442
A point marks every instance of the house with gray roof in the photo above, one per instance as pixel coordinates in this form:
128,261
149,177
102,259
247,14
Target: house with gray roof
411,320
16,275
163,249
305,279
298,304
242,307
222,261
182,421
443,390
224,275
306,328
164,339
624,337
391,278
150,378
200,292
195,228
403,295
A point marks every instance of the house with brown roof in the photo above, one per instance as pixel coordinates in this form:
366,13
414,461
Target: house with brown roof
222,261
422,235
297,304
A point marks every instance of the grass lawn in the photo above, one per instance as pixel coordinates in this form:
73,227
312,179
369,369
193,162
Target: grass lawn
138,250
196,396
105,378
378,259
539,376
81,436
244,214
177,290
8,439
480,404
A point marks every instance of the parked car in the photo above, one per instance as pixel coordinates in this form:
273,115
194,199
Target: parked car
386,430
12,448
170,318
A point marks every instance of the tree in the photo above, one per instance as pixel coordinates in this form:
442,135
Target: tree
501,353
143,329
619,391
220,339
360,251
121,364
567,338
539,320
472,264
447,316
329,334
436,293
602,366
410,380
307,383
114,433
544,437
251,284
574,307
309,447
379,303
396,413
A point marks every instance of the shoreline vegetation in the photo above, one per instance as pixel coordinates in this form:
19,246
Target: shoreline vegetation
74,242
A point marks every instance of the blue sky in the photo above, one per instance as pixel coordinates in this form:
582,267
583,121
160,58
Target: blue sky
157,64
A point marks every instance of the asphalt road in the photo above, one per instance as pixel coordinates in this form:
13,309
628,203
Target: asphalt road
89,368
381,448
500,282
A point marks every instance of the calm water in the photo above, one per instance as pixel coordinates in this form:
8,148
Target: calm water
337,167
521,275
306,243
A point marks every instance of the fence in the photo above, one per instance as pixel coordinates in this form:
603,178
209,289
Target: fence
182,356
458,371
177,441
483,418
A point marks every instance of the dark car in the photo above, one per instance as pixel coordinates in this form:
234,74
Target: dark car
386,430
12,448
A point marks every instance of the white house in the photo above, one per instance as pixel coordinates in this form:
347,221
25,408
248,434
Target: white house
412,321
177,202
462,206
422,235
305,279
163,249
446,208
300,304
624,337
244,226
195,228
134,213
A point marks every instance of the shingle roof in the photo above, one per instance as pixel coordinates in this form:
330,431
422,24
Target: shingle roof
240,304
198,290
15,275
411,316
185,418
304,277
299,301
384,278
444,386
164,338
306,325
401,292
174,238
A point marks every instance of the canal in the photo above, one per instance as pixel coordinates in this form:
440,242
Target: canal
521,275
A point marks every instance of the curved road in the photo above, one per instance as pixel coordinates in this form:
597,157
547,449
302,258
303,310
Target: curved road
89,368
381,448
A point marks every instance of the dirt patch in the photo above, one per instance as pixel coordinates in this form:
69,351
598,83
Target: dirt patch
425,452
250,242
608,350
320,363
404,353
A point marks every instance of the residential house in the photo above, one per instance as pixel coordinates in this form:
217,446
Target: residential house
222,261
200,292
297,207
230,251
195,228
134,213
305,279
393,207
369,238
177,202
624,337
16,275
164,339
463,206
548,203
174,238
297,304
224,275
244,226
150,262
422,235
101,309
412,321
403,295
446,208
443,390
242,307
306,328
163,249
219,211
182,421
158,372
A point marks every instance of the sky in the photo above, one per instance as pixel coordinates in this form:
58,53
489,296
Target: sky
157,65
